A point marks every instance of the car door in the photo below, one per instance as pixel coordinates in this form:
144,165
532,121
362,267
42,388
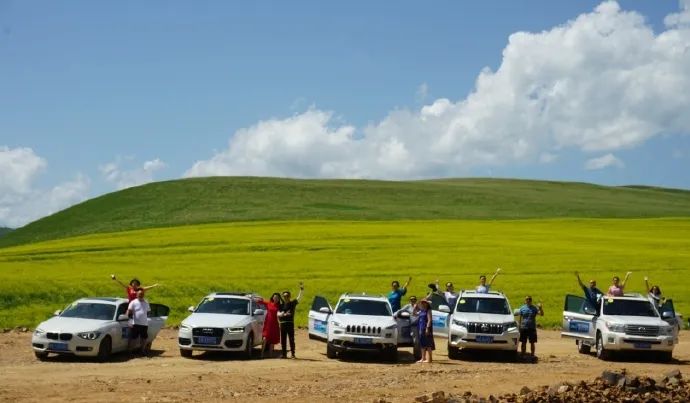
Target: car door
257,320
120,335
157,316
403,318
668,313
318,320
579,319
439,319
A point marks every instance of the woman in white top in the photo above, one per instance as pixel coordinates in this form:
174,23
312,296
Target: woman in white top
483,287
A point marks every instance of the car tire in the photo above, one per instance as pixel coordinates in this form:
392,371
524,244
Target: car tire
105,349
330,351
602,352
583,348
186,353
453,353
391,354
41,355
665,356
249,348
417,352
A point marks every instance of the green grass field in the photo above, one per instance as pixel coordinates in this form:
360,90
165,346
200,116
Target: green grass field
538,257
233,199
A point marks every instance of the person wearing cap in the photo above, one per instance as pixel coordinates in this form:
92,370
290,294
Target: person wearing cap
528,324
286,317
592,293
483,287
425,330
396,294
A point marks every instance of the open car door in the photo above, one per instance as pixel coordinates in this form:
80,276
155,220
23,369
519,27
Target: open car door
403,318
319,313
439,315
668,313
156,318
579,319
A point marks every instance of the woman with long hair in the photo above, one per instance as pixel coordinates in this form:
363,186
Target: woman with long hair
271,331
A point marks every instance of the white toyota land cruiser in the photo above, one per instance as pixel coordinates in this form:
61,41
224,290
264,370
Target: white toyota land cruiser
630,322
223,321
359,322
482,321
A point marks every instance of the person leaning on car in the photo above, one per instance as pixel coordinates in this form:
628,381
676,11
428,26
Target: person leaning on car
138,313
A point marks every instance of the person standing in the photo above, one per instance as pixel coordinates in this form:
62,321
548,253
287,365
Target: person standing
133,287
138,313
396,294
617,289
286,317
654,293
528,324
483,287
271,330
449,295
425,330
592,293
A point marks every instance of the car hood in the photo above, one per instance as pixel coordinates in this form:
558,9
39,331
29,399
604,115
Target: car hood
216,320
636,320
483,317
59,324
366,320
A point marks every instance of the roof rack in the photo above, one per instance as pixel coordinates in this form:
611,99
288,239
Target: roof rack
364,294
235,293
499,292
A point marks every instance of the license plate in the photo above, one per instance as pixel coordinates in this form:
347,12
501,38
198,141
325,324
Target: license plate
643,345
58,346
485,339
359,340
207,340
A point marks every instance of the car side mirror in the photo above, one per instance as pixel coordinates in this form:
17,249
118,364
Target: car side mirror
444,308
122,317
516,312
325,309
404,315
190,309
57,313
259,312
667,315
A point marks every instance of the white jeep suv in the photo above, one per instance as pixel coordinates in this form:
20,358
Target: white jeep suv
223,321
359,322
631,322
482,321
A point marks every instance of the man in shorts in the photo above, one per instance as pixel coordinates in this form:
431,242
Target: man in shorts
138,320
528,324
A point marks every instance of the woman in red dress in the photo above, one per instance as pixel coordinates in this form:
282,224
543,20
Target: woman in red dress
271,332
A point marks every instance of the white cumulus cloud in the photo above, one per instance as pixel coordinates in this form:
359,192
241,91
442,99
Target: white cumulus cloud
605,161
602,82
21,201
122,178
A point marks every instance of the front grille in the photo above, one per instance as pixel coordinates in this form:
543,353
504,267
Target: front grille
363,330
59,336
485,328
642,330
208,331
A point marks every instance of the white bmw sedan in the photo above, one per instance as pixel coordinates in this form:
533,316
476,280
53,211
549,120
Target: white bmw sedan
92,327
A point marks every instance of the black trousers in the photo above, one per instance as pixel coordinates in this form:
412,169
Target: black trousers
287,329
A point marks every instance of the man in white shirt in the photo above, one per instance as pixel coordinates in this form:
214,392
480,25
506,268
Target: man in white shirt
138,320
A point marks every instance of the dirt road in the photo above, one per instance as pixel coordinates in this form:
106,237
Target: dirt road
311,377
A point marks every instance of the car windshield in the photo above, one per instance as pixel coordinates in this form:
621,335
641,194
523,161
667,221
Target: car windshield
628,307
364,307
231,306
484,305
89,310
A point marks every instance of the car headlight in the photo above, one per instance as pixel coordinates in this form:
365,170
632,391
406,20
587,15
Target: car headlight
459,323
391,327
39,332
616,327
89,335
235,329
510,326
336,324
666,330
185,327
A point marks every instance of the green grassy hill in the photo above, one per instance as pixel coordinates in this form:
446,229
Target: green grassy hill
227,199
5,230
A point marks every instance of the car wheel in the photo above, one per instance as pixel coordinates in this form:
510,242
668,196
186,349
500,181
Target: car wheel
186,353
417,352
105,349
390,354
453,352
583,348
602,353
41,355
330,351
249,349
665,356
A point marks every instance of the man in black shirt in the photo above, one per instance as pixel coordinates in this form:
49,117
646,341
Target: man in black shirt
286,317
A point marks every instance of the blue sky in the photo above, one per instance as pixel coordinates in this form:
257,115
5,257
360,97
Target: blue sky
97,96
